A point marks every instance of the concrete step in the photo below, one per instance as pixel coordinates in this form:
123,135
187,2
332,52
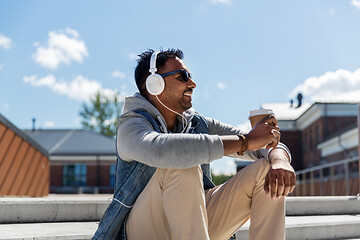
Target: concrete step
47,231
316,227
334,205
297,228
76,217
88,207
54,208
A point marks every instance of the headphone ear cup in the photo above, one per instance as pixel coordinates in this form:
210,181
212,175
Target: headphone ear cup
155,84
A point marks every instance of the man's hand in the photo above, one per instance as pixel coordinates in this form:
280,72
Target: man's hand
280,179
264,134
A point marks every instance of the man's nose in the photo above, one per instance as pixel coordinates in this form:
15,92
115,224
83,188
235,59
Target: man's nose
191,84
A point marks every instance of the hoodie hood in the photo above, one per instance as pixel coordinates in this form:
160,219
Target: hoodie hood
137,101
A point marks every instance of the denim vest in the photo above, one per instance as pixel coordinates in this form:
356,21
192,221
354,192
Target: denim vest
131,179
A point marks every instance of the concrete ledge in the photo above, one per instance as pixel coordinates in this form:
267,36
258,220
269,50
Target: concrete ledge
316,227
89,207
305,206
297,228
47,231
61,208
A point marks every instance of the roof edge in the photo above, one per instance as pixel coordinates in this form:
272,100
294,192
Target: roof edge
23,135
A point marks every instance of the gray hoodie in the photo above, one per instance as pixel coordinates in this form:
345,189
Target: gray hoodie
137,140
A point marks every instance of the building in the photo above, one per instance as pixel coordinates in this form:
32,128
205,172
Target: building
24,164
323,138
307,132
317,133
81,161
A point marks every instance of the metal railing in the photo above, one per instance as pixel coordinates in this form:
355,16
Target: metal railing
326,172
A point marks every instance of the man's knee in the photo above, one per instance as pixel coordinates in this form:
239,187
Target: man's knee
262,166
257,170
189,176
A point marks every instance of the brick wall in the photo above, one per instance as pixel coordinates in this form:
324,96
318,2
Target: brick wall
292,139
336,124
312,135
342,155
96,176
303,144
329,188
56,175
92,179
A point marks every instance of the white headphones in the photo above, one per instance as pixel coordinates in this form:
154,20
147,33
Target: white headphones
155,83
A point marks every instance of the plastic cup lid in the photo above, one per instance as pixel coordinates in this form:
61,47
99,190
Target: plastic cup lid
261,112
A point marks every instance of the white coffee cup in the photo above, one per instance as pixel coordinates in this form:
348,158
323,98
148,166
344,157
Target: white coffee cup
258,115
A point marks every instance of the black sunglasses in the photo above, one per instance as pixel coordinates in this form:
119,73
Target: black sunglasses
185,75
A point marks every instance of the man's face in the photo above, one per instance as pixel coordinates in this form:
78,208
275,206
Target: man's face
177,94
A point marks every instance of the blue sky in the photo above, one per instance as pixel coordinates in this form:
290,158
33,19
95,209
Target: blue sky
55,54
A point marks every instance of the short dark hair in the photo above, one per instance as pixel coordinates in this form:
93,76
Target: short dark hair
142,69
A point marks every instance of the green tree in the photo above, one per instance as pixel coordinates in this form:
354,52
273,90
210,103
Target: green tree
101,114
220,179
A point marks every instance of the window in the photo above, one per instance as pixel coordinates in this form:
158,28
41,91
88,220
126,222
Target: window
74,175
112,175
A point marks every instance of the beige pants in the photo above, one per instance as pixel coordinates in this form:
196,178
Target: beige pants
174,206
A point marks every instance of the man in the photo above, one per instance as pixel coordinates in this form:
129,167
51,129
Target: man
163,184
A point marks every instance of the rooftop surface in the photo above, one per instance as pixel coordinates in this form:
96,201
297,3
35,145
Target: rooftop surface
284,111
73,142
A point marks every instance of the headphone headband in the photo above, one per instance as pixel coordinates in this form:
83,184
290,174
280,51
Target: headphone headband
155,84
153,68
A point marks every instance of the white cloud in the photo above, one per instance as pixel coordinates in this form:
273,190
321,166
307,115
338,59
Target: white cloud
206,94
341,85
231,163
5,42
226,2
5,106
355,3
62,47
94,121
244,127
225,165
221,85
133,56
80,88
2,66
49,124
332,12
118,74
73,32
77,121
